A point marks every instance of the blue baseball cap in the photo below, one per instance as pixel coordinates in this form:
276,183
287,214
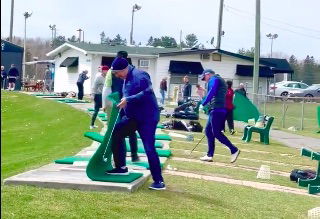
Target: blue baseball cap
206,72
119,64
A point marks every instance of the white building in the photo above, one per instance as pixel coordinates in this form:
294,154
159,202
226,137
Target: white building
72,58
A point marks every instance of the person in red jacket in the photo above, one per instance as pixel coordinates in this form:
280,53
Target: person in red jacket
230,107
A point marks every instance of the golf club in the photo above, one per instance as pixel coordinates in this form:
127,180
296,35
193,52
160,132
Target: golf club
197,144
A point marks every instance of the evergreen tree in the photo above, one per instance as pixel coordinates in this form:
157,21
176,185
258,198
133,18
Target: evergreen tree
150,41
119,41
73,39
168,42
58,41
191,40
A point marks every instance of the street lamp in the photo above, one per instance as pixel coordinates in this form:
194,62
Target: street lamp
26,16
135,8
79,30
272,37
53,31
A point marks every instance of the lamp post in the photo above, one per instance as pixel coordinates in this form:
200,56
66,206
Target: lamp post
79,30
135,8
53,32
26,16
272,37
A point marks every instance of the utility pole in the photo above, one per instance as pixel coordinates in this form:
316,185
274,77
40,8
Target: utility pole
26,16
79,30
11,21
180,39
220,25
256,55
83,36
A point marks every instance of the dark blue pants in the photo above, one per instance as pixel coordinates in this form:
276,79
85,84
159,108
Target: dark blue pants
215,125
80,90
125,127
97,105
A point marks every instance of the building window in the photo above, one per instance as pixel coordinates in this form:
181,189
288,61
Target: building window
216,57
144,63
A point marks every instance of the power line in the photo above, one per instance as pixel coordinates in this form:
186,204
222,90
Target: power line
295,26
282,28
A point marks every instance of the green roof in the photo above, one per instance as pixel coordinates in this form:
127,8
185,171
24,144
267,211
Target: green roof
130,49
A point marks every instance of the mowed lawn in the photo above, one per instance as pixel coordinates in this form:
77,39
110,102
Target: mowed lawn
46,130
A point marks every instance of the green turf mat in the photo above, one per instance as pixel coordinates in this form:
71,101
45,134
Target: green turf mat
71,160
160,126
71,100
102,115
98,137
90,109
104,119
165,137
41,94
101,161
160,152
244,108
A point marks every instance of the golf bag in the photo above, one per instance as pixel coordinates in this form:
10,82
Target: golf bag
302,174
188,110
182,125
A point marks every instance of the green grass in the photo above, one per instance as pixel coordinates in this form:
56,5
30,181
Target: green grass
37,131
184,198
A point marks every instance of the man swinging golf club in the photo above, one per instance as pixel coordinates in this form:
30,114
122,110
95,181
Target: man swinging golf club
215,99
141,113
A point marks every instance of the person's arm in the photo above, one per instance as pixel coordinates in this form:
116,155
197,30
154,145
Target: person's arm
214,83
146,89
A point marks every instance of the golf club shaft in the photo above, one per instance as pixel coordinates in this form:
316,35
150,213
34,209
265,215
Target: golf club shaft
197,144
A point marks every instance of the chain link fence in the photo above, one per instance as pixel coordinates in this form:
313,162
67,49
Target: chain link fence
293,113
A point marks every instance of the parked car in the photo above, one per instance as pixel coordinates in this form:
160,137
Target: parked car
310,93
283,88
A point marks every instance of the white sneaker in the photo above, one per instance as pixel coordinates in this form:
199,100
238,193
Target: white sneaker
93,126
206,158
234,156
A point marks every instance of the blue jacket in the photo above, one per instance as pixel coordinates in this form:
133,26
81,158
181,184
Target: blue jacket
216,96
141,101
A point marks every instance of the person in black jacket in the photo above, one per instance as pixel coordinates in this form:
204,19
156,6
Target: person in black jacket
186,89
13,74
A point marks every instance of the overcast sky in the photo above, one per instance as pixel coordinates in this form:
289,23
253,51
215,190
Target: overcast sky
295,21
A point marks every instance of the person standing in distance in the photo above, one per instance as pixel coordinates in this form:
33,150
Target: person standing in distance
82,77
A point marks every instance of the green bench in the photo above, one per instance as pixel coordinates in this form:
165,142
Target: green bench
264,132
312,184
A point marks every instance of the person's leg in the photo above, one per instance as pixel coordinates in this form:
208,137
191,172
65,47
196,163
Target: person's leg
133,141
97,105
229,118
162,96
80,91
147,133
210,137
122,129
217,121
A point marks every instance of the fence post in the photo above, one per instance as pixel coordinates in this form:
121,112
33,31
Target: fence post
283,114
264,105
302,115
